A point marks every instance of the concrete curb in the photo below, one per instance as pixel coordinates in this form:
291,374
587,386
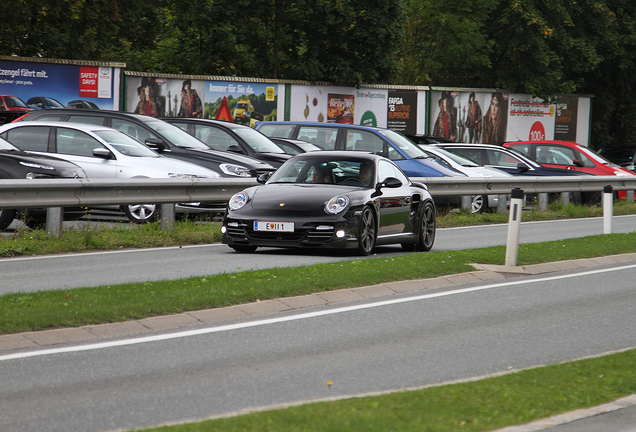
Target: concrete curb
95,333
571,416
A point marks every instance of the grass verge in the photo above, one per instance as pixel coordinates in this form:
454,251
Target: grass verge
71,308
483,405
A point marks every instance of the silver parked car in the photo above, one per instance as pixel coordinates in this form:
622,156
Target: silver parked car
102,152
478,203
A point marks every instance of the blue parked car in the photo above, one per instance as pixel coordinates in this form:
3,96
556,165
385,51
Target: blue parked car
385,142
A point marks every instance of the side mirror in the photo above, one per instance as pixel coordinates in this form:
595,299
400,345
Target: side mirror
578,163
234,149
522,167
103,153
155,144
264,177
391,182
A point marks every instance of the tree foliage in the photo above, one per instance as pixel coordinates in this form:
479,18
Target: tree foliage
542,47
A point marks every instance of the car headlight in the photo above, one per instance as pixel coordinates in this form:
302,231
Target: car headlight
238,201
193,176
34,165
235,170
337,204
621,174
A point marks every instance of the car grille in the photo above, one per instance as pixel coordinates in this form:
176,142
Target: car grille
309,235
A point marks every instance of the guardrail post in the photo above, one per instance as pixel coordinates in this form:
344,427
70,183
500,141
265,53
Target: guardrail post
54,221
502,204
630,196
167,217
565,198
466,200
543,201
514,226
608,209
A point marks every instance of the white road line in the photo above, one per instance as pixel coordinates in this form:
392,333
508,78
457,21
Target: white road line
259,323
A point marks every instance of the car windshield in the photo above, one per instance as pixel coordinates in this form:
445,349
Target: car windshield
462,160
6,145
350,171
125,144
257,141
404,144
175,135
597,157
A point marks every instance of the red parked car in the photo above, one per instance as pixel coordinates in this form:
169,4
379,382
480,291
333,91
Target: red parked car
568,155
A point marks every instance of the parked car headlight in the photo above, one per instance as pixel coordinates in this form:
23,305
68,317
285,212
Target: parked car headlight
178,175
238,201
337,204
39,166
235,170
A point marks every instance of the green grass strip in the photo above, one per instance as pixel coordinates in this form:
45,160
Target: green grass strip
483,405
71,308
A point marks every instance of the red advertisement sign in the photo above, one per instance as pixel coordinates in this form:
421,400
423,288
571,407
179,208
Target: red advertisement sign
88,82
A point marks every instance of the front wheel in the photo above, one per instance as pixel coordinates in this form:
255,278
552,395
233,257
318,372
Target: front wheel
142,213
427,227
6,218
366,231
478,203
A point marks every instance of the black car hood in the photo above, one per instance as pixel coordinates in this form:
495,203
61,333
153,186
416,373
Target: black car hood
298,197
64,168
275,159
233,158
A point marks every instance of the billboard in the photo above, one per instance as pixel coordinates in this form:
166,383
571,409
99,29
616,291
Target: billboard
237,101
95,82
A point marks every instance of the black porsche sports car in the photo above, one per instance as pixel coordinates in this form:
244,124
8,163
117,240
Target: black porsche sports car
332,199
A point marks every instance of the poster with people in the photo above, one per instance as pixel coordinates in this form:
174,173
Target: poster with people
471,116
235,101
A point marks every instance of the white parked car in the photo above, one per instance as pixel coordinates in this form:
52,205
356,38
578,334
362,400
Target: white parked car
478,203
102,152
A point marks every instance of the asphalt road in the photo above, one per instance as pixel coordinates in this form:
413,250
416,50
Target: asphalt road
368,346
28,274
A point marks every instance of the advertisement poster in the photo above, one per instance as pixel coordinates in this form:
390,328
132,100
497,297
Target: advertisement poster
566,118
530,119
62,82
247,102
402,111
185,97
371,107
340,108
469,116
324,104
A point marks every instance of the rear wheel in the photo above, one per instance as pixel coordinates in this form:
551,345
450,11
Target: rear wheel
142,213
6,218
366,231
427,227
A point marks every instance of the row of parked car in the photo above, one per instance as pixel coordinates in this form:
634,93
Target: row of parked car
112,144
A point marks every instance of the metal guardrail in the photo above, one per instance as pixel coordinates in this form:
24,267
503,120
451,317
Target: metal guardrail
58,193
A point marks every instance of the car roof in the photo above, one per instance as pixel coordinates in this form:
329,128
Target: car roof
227,124
334,125
96,113
81,126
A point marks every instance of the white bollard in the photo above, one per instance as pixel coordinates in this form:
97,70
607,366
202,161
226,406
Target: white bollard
514,226
608,209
